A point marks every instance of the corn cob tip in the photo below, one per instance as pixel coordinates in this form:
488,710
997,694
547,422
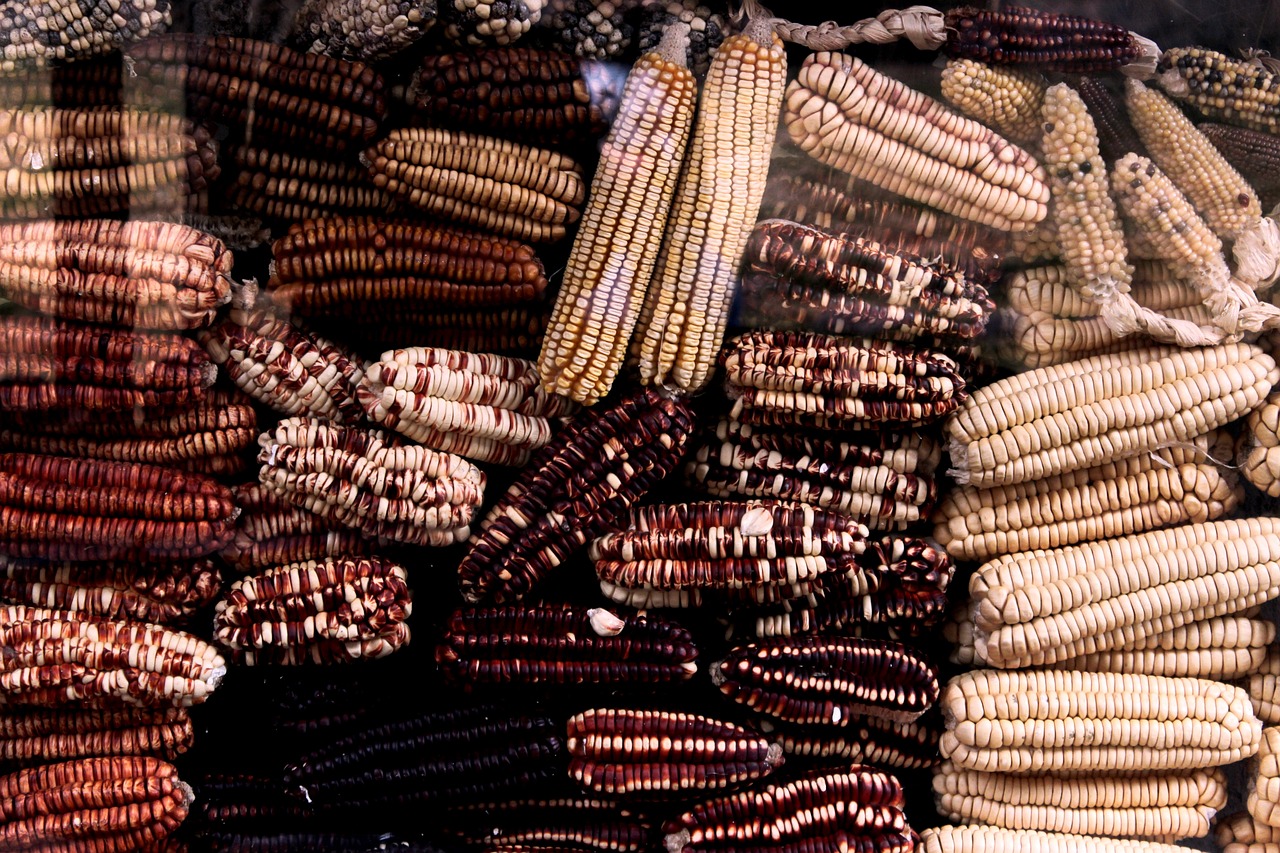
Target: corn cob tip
1174,83
188,795
675,842
674,46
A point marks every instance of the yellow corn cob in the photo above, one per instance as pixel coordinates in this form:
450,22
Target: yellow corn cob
1035,721
991,839
1264,781
687,305
1006,99
1264,688
613,256
1159,805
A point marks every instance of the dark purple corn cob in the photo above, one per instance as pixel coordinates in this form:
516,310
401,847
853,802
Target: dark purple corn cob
1020,35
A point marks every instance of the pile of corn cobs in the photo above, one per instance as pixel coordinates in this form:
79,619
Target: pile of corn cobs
519,435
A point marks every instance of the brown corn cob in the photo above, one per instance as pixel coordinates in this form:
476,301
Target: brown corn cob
1239,832
108,805
828,382
30,736
1007,100
994,839
486,22
331,611
867,740
1163,805
162,593
366,480
58,657
532,96
282,364
357,29
849,116
138,274
858,808
273,532
288,186
1116,136
1034,721
49,364
717,198
482,406
1021,35
616,249
1237,91
260,89
81,509
1261,454
1264,687
1253,153
59,30
647,754
1033,425
493,184
591,473
559,644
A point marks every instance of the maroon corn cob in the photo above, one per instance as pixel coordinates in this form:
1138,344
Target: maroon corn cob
272,532
30,736
1020,35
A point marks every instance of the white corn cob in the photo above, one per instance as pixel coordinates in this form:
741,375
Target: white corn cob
1264,688
1261,462
991,839
1264,780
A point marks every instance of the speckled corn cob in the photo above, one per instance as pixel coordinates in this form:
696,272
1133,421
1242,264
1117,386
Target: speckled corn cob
489,22
498,186
482,406
1008,100
1106,408
32,736
592,472
363,479
272,532
56,657
1163,805
647,754
866,740
855,119
854,808
708,28
1264,780
54,31
592,29
616,249
291,186
1264,688
360,29
1034,721
992,839
686,308
1021,35
1237,91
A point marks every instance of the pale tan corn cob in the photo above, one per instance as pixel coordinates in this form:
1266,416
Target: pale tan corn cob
992,839
1242,92
1156,208
847,115
1261,462
617,245
1140,805
1239,832
1089,232
1264,688
1044,288
1172,485
1041,340
1219,193
1036,721
686,308
483,406
1105,408
1006,99
1039,244
1040,607
1264,780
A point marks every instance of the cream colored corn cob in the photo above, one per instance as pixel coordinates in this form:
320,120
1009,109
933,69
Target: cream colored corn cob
1264,688
1005,99
1156,208
1239,832
1261,462
991,839
1264,780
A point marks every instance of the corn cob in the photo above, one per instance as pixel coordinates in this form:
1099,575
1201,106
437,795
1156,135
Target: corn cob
1161,805
486,22
359,29
493,184
1264,687
56,657
549,823
30,736
332,611
708,29
1220,648
592,473
514,332
287,186
1264,780
281,364
717,198
591,29
52,32
559,644
1008,100
137,274
648,754
849,116
827,382
532,96
1241,92
87,82
1045,289
482,406
1116,136
1035,721
866,740
1239,832
1261,458
616,249
1252,153
111,805
82,509
272,532
1039,244
366,480
856,808
1021,35
259,89
163,593
993,839
238,233
208,437
1102,409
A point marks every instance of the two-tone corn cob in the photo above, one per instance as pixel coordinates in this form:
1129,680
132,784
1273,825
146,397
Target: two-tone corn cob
1022,35
1039,721
369,481
1263,685
57,657
359,29
291,186
564,645
31,736
1102,409
489,22
272,532
1166,805
485,407
722,182
845,114
616,250
1264,780
865,740
994,839
56,31
1008,100
1242,92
